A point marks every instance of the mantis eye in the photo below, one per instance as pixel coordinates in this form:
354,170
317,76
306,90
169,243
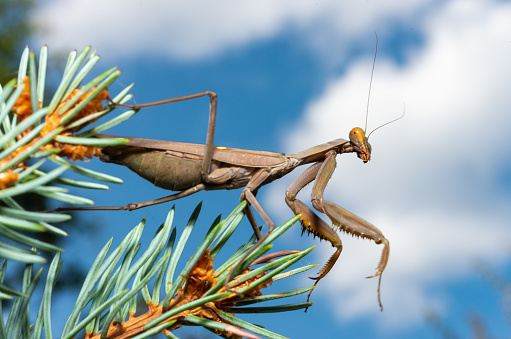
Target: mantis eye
357,135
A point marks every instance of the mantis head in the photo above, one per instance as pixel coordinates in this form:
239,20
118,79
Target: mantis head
360,142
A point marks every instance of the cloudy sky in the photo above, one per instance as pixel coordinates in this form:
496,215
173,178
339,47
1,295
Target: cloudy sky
291,75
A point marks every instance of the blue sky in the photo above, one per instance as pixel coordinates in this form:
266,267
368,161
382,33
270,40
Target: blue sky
291,75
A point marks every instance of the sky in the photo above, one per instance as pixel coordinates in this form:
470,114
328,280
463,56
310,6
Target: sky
290,75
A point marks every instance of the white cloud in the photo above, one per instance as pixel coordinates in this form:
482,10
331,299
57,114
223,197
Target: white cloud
190,30
430,186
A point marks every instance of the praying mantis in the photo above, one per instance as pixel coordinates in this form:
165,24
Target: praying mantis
189,168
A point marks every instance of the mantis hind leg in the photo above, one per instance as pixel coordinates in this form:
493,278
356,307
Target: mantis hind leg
135,205
213,99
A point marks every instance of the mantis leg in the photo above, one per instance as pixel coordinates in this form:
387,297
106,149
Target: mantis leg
341,218
206,163
310,221
249,193
135,205
345,220
208,154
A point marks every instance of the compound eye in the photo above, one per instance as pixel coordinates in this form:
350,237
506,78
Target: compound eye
357,133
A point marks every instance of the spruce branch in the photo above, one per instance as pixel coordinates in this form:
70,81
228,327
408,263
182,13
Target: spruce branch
195,296
106,306
31,129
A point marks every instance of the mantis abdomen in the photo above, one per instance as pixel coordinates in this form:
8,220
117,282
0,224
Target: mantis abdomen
162,168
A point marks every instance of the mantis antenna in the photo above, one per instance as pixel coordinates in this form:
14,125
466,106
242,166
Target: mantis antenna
371,80
391,121
369,94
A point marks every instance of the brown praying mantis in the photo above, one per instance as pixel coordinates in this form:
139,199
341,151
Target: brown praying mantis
190,168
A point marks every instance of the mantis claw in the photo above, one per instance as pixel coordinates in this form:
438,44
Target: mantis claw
324,271
316,226
328,266
384,258
352,224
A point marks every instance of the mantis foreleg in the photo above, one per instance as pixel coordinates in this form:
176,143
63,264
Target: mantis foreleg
310,221
346,220
341,218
